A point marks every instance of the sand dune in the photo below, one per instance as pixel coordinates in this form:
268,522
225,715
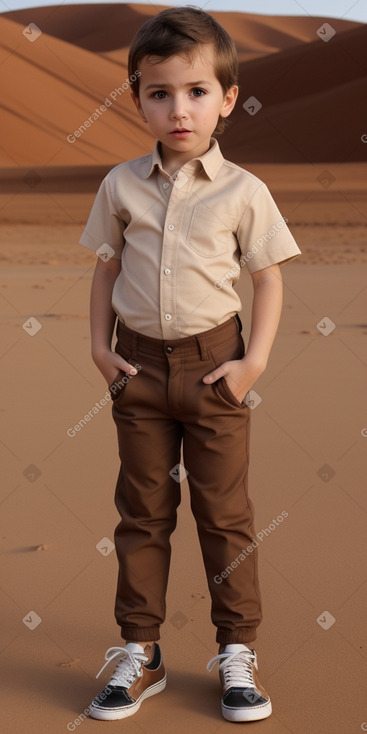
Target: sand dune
51,88
311,119
313,99
109,27
311,92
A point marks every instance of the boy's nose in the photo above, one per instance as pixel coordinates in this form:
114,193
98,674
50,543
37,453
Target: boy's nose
178,110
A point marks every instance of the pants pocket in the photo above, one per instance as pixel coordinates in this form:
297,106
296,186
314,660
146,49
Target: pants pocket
118,386
235,349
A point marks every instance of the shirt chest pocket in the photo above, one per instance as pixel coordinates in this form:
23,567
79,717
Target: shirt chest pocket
209,233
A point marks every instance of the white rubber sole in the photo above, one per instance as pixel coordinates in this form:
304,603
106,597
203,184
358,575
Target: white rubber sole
252,714
124,711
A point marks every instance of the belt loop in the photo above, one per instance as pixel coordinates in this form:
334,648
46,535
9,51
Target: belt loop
239,323
200,338
134,345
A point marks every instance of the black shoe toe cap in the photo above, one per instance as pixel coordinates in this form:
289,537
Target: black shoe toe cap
112,697
240,697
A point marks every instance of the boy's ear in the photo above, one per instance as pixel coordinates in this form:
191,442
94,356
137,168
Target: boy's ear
138,106
229,101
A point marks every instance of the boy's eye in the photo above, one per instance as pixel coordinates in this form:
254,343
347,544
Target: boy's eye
160,94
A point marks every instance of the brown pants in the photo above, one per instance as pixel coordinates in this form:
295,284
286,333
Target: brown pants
164,405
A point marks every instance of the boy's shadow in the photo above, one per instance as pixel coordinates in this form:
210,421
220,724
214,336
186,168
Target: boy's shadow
194,692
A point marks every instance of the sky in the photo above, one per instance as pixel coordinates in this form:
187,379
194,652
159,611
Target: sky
347,9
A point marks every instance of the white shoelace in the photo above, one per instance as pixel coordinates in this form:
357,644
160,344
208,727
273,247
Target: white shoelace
128,666
237,668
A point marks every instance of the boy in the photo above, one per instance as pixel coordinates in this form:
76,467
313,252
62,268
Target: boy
174,228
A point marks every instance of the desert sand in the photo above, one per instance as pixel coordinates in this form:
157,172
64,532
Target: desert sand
309,430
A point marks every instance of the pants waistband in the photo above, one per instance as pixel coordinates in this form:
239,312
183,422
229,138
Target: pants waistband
196,344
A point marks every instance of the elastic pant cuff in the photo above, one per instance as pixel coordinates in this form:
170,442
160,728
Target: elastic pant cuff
140,634
241,635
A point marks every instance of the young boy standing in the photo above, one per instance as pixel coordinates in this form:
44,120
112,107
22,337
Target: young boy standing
175,227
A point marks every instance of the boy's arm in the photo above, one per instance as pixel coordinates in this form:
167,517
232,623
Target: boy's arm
266,309
102,320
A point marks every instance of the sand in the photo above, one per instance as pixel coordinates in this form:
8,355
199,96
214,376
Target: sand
308,432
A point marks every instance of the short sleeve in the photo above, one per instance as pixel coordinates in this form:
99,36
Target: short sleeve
105,224
263,236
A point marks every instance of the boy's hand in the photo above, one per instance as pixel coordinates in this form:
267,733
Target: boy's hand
103,319
239,374
109,364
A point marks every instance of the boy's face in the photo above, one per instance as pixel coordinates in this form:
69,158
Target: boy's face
181,101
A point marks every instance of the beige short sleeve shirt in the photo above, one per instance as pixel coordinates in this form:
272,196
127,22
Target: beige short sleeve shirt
184,240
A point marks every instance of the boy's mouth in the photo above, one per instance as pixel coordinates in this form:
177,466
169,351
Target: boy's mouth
180,132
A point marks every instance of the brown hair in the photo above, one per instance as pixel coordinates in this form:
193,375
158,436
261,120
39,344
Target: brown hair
178,31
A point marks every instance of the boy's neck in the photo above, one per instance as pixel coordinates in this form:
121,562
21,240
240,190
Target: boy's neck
172,161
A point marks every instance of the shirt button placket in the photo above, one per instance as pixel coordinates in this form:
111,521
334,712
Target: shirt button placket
167,271
174,213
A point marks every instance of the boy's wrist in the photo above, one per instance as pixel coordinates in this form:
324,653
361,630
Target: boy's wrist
254,363
99,353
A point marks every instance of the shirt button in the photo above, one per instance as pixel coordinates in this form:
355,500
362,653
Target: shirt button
167,316
166,185
171,227
167,271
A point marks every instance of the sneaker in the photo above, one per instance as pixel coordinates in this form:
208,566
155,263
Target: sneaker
244,699
132,682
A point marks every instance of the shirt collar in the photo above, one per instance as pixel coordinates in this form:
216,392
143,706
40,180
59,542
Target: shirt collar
210,162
